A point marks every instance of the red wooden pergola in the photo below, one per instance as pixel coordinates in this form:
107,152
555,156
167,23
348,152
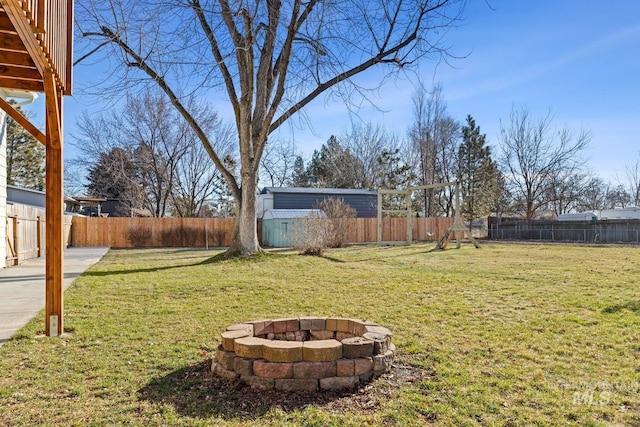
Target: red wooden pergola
36,41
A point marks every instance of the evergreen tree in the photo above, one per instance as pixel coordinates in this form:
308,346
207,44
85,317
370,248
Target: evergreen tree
476,173
25,157
299,177
114,176
395,173
333,166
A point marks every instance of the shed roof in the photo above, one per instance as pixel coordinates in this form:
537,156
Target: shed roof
308,190
293,213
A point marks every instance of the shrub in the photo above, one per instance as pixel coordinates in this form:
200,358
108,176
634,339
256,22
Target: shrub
220,238
311,234
338,214
138,236
180,236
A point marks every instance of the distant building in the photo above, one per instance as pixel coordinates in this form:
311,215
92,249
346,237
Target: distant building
603,215
620,213
582,216
27,196
104,207
365,202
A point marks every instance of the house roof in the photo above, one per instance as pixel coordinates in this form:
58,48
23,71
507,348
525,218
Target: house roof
17,194
308,190
90,199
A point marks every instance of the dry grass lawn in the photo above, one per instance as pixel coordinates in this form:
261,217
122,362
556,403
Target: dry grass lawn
503,335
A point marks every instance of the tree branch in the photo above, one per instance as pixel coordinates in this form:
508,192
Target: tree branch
380,57
215,50
144,66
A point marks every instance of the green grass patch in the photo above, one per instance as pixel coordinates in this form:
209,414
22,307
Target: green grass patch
504,335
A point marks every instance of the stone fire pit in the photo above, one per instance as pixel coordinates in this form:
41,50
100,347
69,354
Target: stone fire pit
304,354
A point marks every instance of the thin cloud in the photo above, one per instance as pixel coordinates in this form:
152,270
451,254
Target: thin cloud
518,77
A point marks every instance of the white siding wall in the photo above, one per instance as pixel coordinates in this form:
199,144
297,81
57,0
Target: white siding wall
3,188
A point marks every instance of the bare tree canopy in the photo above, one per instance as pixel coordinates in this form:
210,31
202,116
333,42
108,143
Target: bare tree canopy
278,163
271,57
434,138
149,158
633,177
536,156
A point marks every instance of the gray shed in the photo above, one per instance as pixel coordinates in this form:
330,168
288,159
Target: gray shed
279,224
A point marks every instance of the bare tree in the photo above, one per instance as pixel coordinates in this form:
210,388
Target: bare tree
434,135
278,163
376,150
633,178
618,197
427,111
534,156
447,135
97,134
159,147
594,195
148,147
196,181
271,57
566,190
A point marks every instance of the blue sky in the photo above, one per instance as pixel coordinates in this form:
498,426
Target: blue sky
578,58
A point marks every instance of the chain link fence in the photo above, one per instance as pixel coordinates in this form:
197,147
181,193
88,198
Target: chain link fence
611,231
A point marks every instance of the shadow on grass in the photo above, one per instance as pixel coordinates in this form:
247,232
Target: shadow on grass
195,392
332,259
222,256
631,305
104,273
212,260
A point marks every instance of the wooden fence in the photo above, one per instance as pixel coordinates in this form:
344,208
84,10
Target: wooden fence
26,232
151,232
214,232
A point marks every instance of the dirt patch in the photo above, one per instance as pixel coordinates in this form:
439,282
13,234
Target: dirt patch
195,391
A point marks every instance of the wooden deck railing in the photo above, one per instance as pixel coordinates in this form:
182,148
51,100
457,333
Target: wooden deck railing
52,21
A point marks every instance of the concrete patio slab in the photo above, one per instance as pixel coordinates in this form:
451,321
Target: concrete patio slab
22,287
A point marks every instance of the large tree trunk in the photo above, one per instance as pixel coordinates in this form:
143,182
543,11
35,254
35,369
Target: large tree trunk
245,234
